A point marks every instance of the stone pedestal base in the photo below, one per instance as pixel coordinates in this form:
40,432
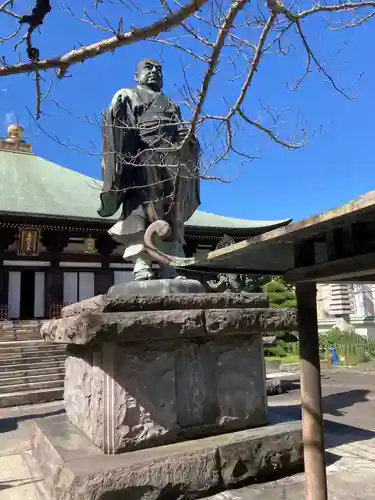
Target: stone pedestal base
137,395
72,468
146,371
155,288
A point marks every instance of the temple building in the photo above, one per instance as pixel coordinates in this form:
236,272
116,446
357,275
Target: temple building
55,249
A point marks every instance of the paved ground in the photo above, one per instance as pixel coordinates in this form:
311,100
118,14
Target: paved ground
349,409
349,414
15,425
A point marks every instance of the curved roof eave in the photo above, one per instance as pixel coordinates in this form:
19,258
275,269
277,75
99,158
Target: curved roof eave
33,187
247,225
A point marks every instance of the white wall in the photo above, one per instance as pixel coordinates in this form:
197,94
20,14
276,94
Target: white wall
70,295
39,294
122,277
14,294
78,286
86,285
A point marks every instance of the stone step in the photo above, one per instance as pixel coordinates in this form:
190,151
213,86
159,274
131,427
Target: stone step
29,345
38,341
13,378
42,366
19,336
31,359
16,387
15,325
19,331
23,369
12,329
30,350
31,397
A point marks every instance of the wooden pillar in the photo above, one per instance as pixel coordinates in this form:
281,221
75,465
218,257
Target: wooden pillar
54,286
104,279
4,285
311,396
7,238
55,242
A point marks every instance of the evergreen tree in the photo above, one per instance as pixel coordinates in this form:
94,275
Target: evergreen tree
281,295
255,284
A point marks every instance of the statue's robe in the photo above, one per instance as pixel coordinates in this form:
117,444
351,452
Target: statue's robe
141,162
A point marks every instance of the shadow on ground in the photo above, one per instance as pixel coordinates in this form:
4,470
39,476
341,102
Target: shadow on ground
5,485
12,423
334,404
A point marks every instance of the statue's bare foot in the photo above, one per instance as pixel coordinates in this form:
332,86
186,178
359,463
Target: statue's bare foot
143,275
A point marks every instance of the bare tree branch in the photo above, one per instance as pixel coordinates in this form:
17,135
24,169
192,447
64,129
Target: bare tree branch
233,11
223,45
108,45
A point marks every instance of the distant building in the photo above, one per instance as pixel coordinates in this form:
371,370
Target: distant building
347,306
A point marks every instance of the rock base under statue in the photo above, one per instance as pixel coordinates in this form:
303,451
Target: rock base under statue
162,395
158,288
149,371
69,467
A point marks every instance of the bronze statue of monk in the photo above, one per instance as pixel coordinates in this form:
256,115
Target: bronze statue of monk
148,169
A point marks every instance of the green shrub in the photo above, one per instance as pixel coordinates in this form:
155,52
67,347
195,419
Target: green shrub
276,351
352,348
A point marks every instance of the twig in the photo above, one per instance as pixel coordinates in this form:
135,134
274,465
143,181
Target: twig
108,45
236,7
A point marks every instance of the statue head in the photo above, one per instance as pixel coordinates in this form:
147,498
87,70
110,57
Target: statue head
149,74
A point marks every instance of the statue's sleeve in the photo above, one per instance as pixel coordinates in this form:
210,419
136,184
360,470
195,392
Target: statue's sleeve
118,146
124,127
190,191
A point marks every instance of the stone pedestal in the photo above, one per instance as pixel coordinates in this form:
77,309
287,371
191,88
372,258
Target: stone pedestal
143,394
72,468
158,368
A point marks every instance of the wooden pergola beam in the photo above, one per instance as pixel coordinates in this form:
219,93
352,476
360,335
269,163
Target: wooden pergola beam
355,267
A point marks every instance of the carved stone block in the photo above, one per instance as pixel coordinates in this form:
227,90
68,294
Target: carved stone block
132,396
145,371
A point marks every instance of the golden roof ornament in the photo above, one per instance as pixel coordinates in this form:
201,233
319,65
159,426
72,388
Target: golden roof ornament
89,246
28,242
15,134
15,140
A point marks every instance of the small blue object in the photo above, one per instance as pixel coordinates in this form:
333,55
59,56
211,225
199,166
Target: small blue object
334,356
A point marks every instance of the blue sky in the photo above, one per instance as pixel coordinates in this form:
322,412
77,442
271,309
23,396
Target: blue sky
334,167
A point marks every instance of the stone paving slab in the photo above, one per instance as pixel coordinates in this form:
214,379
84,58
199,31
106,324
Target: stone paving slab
350,487
15,426
351,476
15,481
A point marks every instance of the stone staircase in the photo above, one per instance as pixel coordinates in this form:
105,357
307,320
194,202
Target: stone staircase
31,370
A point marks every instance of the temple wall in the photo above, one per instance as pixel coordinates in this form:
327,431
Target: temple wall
37,287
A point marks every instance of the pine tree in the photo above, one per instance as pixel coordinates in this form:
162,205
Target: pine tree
281,295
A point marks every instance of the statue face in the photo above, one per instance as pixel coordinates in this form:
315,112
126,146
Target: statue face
149,73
